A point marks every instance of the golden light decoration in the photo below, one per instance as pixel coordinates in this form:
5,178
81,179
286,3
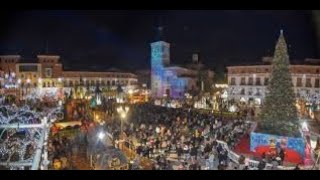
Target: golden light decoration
123,115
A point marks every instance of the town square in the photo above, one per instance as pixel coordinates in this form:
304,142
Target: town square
182,94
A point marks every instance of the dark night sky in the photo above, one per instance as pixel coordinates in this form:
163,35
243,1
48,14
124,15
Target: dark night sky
121,38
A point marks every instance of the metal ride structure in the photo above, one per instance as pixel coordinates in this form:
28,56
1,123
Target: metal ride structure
316,153
23,137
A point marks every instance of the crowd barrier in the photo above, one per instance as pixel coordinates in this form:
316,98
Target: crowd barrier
129,150
234,157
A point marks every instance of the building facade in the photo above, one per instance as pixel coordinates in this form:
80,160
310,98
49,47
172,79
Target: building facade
248,83
48,75
144,78
51,71
171,81
103,79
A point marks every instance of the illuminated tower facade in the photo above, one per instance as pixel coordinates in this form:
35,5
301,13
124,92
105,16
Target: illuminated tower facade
160,58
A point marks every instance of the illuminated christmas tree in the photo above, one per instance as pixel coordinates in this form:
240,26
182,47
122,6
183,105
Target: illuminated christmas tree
279,114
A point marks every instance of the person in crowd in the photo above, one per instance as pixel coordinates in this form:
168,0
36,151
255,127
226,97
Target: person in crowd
193,152
181,166
274,163
282,155
242,162
211,160
179,151
261,165
298,167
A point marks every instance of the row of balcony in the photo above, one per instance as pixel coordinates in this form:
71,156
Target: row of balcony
249,84
316,93
53,84
317,85
298,83
249,94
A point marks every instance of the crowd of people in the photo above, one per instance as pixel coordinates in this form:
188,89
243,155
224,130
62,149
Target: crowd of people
63,148
59,151
183,138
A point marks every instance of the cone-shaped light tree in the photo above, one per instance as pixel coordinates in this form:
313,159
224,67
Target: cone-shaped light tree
279,113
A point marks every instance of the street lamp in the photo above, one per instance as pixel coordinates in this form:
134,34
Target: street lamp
123,115
101,135
97,118
60,83
122,111
39,82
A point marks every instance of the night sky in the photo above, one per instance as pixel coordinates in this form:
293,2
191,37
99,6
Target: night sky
121,39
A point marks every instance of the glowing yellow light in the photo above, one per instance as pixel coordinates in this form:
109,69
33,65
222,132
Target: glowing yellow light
123,115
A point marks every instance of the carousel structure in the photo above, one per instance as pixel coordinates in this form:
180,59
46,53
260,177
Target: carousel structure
23,137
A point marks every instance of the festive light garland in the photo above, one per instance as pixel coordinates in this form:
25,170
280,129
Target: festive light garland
23,133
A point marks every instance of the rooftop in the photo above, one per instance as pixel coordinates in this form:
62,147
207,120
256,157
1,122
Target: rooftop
268,60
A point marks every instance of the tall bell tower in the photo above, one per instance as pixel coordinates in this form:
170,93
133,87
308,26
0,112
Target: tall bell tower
160,58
